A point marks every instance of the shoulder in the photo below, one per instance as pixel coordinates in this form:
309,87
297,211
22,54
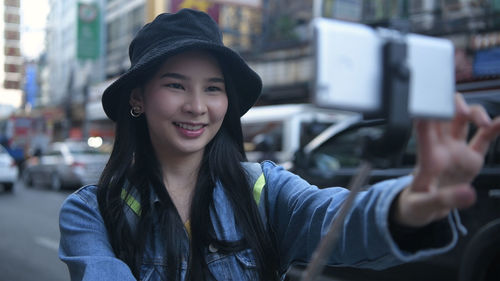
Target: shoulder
80,211
269,169
266,166
86,195
278,175
270,166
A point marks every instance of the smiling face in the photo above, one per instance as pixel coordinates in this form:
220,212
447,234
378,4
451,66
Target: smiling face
184,103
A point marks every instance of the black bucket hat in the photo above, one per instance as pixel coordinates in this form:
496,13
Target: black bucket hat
170,34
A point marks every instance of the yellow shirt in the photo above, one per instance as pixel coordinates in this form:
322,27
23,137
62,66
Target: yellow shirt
187,226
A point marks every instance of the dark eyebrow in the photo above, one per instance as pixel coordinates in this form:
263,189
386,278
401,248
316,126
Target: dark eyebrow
184,77
174,75
216,80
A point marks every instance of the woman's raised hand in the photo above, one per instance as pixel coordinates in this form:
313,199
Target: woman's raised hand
446,165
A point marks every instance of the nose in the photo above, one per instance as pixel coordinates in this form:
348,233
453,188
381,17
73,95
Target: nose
195,104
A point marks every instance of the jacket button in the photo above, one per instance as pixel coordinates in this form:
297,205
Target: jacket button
212,248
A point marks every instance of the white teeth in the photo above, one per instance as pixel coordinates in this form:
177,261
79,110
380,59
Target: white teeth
189,127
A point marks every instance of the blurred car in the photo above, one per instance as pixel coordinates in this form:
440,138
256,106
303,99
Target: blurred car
65,165
332,159
8,170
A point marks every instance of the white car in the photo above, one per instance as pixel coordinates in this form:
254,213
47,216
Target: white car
8,170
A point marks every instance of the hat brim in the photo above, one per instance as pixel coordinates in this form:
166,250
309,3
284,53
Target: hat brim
247,83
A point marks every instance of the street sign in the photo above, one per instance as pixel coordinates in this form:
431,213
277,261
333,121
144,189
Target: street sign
88,44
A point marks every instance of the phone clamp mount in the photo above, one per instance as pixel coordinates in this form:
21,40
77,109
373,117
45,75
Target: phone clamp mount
395,97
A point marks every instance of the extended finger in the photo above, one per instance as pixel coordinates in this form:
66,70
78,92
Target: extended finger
442,129
479,116
461,196
426,140
427,137
459,124
481,141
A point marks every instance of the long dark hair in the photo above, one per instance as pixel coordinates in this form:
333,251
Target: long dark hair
132,160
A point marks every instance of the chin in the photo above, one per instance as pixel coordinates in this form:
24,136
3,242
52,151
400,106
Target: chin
191,149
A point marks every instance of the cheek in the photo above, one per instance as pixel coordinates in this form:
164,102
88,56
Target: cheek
219,106
161,106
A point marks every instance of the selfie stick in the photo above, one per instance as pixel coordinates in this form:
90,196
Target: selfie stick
393,140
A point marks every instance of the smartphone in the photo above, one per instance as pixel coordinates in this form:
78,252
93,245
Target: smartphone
349,69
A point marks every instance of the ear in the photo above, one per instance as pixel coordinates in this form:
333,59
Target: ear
136,98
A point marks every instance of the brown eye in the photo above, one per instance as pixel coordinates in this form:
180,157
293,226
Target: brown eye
214,89
175,86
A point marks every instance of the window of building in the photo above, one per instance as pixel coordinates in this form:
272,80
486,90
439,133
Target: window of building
12,68
12,35
8,84
12,3
11,18
12,51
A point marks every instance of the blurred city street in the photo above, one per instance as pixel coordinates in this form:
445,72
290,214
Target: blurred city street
326,93
30,235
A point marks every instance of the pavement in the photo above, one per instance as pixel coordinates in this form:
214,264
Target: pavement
29,235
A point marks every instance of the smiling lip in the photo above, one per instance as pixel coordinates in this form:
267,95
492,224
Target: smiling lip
190,130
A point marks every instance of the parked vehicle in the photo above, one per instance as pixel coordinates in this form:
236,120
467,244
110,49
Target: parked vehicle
332,160
18,132
8,170
65,165
275,132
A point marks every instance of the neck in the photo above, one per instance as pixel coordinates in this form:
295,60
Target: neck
180,173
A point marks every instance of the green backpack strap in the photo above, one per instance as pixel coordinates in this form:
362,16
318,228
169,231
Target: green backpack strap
256,181
131,201
132,208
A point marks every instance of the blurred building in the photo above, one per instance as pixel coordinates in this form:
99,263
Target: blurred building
473,27
11,61
43,97
272,35
123,19
284,56
241,26
73,62
239,20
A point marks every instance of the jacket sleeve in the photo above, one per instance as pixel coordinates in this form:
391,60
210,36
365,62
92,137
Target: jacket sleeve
84,244
300,214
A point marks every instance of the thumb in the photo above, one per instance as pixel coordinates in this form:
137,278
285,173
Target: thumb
417,208
458,196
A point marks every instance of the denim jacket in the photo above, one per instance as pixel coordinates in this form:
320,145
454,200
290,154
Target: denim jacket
298,213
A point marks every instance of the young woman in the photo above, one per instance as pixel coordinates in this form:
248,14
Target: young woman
177,200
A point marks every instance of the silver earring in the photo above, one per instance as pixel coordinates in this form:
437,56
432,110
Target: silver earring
135,111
